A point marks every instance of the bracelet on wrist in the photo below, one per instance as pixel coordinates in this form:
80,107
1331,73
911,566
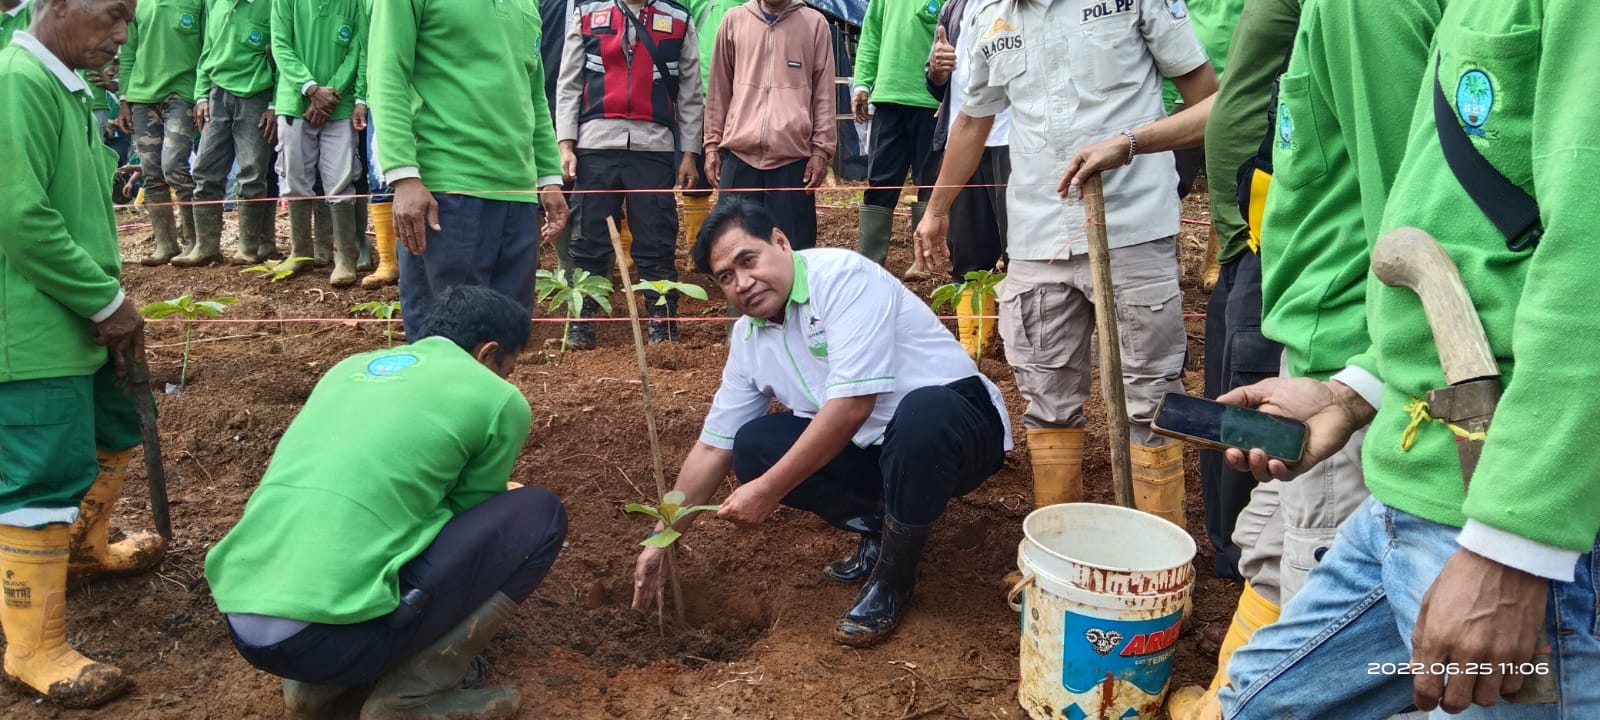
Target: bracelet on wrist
1133,146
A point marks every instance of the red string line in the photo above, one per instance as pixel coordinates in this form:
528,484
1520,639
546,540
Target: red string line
355,320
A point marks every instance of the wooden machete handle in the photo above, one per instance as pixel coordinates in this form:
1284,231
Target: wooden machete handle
1410,258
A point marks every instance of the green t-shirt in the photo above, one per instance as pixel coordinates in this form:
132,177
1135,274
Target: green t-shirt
16,19
471,116
1344,115
1213,22
234,58
1238,120
1539,475
896,37
707,16
322,42
336,516
163,50
59,260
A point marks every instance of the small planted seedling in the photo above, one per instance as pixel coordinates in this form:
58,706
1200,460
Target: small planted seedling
190,310
671,511
277,269
556,289
978,286
662,287
382,311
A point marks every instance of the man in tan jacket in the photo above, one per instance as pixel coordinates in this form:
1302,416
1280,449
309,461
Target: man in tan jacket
770,111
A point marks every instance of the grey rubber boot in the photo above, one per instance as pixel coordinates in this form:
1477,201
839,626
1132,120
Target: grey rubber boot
365,262
257,237
207,247
301,213
427,686
877,225
323,253
346,247
304,701
186,221
916,272
164,226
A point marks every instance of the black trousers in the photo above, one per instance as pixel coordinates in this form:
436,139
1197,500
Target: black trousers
902,136
652,216
977,236
505,544
794,210
943,442
1237,355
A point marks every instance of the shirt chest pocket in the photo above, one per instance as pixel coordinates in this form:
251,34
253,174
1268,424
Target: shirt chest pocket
1106,56
187,19
255,37
1297,155
1008,69
1489,80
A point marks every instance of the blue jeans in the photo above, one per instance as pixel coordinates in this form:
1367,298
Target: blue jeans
493,243
1325,657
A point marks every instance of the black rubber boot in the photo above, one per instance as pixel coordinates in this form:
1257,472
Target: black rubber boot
886,595
662,330
580,335
856,566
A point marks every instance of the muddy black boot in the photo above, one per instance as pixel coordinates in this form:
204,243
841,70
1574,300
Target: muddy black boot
428,686
164,227
662,330
301,214
207,248
856,566
346,249
304,701
365,261
322,254
258,240
886,595
580,335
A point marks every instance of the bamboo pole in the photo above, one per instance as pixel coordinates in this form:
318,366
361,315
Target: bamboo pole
649,405
1105,315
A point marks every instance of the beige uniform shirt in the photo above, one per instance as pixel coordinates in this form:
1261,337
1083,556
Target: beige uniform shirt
1074,72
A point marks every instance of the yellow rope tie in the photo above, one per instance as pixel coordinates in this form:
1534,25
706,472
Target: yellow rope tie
1418,410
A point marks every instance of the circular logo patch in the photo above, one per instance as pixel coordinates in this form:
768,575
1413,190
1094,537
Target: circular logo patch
344,32
186,20
255,37
390,364
1474,99
1285,126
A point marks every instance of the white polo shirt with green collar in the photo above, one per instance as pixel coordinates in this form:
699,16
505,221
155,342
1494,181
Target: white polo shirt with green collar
850,329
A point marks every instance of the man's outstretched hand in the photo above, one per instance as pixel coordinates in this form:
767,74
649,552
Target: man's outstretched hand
1331,411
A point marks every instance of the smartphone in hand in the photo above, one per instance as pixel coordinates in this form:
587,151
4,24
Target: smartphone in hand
1212,424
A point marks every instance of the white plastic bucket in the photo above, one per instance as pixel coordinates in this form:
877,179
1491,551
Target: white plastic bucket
1104,591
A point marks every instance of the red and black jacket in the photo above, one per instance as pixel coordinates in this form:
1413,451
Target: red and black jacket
621,79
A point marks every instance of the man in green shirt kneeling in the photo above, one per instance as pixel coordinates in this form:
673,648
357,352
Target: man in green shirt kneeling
354,563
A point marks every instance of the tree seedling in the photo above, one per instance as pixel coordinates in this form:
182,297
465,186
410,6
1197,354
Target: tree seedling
981,284
671,511
190,310
277,269
382,311
662,287
556,289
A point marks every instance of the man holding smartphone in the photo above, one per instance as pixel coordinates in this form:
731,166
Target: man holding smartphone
889,418
1462,582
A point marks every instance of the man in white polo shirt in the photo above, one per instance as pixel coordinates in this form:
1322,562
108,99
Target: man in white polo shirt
888,418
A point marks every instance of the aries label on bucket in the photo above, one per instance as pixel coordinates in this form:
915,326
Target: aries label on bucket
1137,652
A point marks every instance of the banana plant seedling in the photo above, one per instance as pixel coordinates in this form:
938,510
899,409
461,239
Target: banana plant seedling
277,269
556,289
671,511
662,287
190,310
982,286
382,311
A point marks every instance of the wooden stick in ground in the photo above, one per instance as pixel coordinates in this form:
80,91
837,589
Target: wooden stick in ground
1105,316
649,406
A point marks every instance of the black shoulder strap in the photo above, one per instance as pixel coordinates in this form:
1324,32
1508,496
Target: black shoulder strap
1508,206
655,52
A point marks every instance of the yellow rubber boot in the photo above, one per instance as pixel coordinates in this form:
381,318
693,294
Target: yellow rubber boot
1057,455
695,210
1158,481
1213,269
383,239
1193,703
33,563
91,555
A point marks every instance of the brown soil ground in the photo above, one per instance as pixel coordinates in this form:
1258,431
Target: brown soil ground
760,612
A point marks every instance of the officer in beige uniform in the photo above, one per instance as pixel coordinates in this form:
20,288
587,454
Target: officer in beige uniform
1072,73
